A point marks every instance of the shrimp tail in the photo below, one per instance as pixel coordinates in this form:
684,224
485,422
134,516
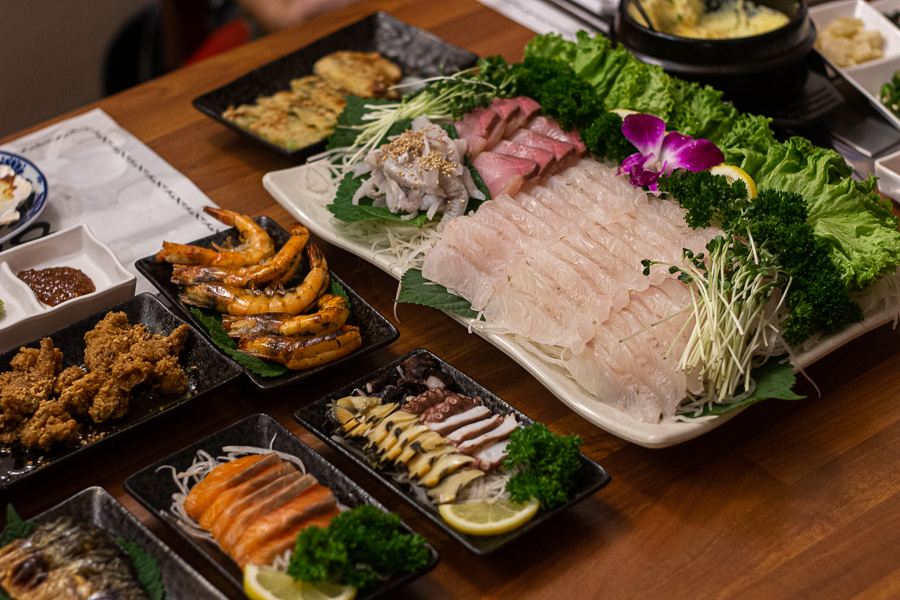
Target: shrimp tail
330,317
304,352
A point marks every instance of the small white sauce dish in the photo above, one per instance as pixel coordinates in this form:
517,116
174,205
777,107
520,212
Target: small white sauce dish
887,169
24,317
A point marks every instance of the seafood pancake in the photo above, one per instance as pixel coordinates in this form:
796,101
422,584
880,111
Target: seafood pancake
65,560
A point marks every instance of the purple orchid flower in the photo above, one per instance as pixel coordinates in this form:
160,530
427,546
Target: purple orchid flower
660,152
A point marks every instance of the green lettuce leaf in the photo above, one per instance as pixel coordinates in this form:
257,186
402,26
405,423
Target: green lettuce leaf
415,289
212,322
850,215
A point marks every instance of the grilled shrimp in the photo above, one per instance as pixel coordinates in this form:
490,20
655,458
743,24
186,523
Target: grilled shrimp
239,301
331,316
276,271
256,245
303,352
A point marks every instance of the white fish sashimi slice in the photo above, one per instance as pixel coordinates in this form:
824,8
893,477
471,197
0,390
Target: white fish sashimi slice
661,375
495,219
572,283
485,247
530,225
601,279
543,212
448,267
625,271
605,193
520,312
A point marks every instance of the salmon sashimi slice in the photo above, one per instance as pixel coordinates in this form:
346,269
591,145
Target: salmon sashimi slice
315,501
230,536
232,495
232,512
266,554
223,477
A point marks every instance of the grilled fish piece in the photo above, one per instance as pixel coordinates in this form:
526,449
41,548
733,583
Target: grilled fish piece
65,560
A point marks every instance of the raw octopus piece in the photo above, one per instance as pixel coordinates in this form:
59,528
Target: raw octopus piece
451,405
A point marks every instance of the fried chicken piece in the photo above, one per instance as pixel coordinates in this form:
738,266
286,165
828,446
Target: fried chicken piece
49,425
32,382
111,337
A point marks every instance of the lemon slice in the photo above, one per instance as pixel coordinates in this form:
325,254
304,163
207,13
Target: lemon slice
733,174
623,112
265,583
489,517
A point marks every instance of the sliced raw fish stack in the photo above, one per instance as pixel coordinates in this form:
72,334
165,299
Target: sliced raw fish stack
561,266
527,137
254,506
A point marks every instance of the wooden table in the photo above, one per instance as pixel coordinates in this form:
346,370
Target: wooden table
788,500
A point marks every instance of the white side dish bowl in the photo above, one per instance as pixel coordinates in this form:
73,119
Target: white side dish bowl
31,208
887,169
24,317
866,77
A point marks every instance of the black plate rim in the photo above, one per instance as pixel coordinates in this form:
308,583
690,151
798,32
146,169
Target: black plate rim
271,383
145,297
131,486
201,101
101,502
478,545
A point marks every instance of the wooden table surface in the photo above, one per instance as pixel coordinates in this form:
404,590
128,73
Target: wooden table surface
787,500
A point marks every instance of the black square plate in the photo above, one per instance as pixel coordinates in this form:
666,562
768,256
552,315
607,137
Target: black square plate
94,505
153,488
588,479
415,51
376,331
16,463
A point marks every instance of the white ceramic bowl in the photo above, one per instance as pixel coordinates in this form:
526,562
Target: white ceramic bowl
24,317
887,169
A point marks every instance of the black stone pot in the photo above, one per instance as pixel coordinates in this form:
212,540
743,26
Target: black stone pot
757,73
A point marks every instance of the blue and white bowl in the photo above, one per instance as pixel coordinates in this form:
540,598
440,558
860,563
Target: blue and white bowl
32,207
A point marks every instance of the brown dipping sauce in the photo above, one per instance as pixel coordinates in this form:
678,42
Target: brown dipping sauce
57,284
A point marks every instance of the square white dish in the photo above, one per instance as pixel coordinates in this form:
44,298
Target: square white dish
24,317
302,192
864,77
887,169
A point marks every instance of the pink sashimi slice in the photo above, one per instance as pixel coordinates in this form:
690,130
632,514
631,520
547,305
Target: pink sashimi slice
509,113
550,128
504,174
481,129
528,107
544,158
566,154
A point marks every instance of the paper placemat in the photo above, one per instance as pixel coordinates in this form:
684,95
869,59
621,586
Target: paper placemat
101,175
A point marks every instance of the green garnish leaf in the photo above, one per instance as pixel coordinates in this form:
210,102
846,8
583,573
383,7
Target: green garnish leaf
212,322
344,210
774,380
16,528
360,547
346,131
547,463
415,289
148,574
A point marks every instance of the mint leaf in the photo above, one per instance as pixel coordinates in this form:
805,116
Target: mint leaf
415,289
16,528
212,322
146,569
774,380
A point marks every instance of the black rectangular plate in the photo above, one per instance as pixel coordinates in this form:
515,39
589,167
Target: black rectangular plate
153,488
16,463
375,329
95,505
589,478
414,50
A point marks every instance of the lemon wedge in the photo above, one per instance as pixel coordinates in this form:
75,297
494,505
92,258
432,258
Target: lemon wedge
623,112
488,517
265,583
733,174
